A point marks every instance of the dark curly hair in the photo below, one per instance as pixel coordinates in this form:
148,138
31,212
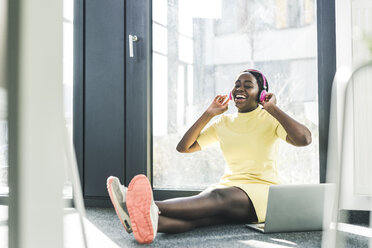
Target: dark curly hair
260,82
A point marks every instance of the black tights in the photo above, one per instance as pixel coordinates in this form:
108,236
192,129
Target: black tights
218,206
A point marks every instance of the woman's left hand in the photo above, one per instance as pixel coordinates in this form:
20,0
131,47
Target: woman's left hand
270,98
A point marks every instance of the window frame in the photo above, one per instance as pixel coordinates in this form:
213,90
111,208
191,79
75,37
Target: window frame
143,147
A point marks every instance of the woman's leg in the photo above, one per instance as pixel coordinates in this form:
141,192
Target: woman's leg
232,203
170,225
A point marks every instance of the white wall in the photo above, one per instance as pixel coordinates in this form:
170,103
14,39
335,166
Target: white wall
35,124
349,56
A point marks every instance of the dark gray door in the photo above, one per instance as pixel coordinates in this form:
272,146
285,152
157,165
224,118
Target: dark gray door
111,93
104,94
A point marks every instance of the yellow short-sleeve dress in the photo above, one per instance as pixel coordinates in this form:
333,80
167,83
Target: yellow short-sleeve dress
249,145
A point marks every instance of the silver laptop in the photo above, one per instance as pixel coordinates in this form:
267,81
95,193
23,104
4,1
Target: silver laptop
292,208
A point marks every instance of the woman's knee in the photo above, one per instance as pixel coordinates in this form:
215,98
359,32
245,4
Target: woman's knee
223,199
228,195
233,201
219,200
218,195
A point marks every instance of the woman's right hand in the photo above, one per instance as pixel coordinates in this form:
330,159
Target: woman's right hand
217,107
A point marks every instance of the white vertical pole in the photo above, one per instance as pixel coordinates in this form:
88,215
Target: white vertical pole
34,66
3,12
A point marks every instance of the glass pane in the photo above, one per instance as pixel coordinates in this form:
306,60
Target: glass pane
160,94
160,45
185,49
68,13
159,13
208,44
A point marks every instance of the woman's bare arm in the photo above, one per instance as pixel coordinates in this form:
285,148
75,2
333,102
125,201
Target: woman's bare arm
188,142
297,134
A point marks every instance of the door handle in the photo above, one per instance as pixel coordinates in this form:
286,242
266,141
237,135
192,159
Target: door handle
132,38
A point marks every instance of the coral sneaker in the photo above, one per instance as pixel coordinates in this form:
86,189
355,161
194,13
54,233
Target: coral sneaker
117,193
143,212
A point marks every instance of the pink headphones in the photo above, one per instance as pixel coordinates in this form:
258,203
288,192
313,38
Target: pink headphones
263,92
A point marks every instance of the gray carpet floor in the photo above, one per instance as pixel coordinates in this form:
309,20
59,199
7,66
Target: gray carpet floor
106,220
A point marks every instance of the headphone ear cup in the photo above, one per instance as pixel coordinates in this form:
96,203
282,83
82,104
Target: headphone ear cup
263,95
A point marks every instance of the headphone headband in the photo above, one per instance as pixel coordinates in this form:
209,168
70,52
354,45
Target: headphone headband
263,76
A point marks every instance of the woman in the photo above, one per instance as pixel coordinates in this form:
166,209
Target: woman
248,142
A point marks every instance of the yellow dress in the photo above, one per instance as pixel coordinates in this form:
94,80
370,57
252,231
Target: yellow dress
249,145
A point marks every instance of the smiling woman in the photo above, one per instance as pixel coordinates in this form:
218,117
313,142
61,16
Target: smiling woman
187,75
248,141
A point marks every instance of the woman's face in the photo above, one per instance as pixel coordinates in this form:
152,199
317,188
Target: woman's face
245,92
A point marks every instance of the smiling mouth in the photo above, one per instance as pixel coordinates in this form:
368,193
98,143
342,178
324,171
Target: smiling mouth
240,98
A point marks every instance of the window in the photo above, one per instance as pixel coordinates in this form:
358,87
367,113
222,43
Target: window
194,60
294,13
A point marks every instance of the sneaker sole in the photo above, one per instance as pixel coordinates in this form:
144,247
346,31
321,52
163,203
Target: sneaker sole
139,197
124,218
